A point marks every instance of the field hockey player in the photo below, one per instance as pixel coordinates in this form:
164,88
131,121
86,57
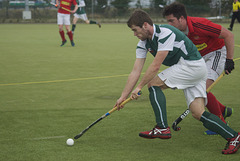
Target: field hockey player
187,71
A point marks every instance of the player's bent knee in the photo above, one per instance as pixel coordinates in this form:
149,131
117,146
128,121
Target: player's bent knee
60,28
157,82
196,116
197,108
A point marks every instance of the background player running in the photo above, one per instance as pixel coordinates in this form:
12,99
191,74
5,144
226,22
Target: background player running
214,42
81,14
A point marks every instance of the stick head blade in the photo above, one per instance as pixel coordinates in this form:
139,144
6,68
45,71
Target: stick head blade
178,129
175,127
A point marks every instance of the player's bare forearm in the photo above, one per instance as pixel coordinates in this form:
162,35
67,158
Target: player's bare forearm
153,69
148,76
229,42
57,2
75,9
230,49
131,82
133,77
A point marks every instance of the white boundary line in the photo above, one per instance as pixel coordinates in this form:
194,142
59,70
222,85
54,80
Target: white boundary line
47,138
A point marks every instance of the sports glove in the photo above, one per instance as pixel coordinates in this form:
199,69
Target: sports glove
229,65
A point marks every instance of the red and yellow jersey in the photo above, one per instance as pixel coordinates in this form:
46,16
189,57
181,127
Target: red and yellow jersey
66,4
204,34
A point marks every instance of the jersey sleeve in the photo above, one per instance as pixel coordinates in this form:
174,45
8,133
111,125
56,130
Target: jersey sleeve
74,2
141,51
81,3
166,43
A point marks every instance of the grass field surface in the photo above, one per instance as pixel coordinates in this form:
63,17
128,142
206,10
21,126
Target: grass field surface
50,93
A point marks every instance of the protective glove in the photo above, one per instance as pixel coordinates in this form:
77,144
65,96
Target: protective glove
229,66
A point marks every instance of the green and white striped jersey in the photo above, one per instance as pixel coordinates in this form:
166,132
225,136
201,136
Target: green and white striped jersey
168,38
81,5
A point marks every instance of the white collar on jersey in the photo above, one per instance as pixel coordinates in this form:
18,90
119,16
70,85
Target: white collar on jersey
154,31
186,31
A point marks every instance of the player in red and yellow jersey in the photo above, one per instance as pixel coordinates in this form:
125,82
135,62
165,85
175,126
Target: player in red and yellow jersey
63,18
214,42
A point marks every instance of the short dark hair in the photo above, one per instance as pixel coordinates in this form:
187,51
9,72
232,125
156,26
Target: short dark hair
177,9
138,18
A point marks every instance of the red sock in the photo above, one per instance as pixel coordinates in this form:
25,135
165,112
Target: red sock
62,35
213,106
222,107
70,35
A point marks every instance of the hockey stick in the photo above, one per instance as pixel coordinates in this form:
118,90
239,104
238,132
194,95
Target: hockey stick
60,7
186,112
103,116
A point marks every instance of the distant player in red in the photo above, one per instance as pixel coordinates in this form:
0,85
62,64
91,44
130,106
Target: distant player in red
63,18
214,42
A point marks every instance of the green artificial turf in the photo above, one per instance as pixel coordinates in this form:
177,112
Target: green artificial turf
50,93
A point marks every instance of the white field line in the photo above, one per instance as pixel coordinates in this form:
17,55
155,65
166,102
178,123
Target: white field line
47,138
40,138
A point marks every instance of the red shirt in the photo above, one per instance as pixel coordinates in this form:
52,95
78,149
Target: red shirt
204,34
66,4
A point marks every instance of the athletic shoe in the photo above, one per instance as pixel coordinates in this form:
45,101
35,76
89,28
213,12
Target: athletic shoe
99,25
227,112
230,28
209,132
232,146
156,132
63,42
72,43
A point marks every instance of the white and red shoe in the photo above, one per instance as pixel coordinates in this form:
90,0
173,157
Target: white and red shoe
156,132
232,146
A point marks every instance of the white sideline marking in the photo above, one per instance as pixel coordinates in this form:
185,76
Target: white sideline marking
47,138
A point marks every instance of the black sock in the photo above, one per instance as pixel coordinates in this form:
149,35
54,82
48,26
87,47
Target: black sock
93,22
73,27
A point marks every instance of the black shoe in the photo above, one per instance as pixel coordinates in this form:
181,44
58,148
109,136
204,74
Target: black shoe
227,112
230,29
72,43
99,25
63,42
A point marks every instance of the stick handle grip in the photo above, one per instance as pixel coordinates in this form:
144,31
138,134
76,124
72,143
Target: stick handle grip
66,9
123,103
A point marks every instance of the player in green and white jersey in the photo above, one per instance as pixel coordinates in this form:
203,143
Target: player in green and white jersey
187,71
81,14
182,47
